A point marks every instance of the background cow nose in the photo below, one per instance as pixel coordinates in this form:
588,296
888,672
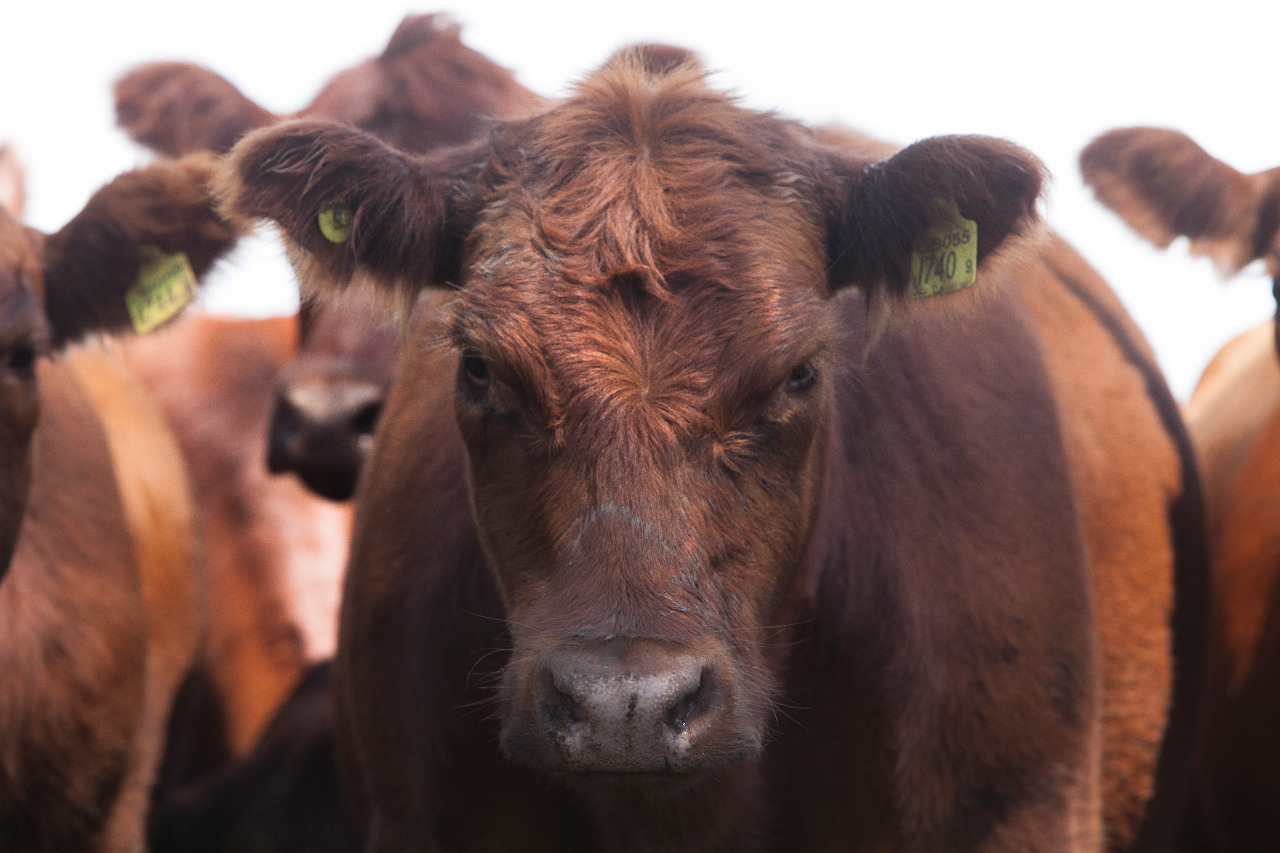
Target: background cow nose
629,706
322,430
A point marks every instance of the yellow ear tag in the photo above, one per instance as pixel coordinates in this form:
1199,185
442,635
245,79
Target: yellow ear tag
335,221
166,284
946,257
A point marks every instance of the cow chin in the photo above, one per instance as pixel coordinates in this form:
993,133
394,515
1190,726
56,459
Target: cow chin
628,711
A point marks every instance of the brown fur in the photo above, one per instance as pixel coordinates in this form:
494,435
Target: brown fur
100,609
666,444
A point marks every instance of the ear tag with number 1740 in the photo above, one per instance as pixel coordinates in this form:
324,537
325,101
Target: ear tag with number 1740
946,257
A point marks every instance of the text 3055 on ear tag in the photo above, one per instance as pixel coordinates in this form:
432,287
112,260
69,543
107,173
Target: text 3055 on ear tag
946,257
166,284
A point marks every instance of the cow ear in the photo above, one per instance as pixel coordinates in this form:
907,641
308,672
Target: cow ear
176,108
1164,186
347,204
131,257
13,182
900,215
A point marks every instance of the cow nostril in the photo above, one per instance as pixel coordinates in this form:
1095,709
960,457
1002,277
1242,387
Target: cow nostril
560,709
366,418
690,706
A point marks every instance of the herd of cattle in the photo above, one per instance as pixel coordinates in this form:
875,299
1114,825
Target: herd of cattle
724,485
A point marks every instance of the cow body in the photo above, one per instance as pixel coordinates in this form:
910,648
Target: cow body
101,605
719,556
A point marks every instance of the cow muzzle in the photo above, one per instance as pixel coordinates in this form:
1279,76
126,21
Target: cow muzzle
632,706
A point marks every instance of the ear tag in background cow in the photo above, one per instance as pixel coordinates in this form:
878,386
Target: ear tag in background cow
335,221
946,257
166,285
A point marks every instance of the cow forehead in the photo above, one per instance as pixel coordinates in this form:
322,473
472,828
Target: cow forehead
659,173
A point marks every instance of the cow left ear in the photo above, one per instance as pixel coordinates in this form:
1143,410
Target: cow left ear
902,216
131,257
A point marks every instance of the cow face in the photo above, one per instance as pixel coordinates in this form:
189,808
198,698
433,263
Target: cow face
56,289
646,372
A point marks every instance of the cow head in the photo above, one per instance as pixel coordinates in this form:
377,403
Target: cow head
426,90
57,289
646,372
1164,186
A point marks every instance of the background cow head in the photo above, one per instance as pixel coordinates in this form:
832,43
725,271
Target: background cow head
646,355
426,90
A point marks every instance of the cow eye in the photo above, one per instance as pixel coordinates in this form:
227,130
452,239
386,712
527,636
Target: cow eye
802,377
475,369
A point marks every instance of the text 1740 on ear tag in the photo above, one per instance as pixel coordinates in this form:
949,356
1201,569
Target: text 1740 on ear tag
166,285
946,257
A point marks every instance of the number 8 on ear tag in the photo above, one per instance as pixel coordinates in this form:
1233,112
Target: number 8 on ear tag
335,221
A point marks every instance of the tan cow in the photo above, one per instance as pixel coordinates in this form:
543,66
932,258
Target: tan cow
1165,185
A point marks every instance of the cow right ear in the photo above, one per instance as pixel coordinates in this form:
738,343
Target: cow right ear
1164,185
902,217
347,204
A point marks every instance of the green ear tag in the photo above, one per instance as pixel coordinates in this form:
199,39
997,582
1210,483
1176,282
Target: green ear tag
166,284
946,257
335,221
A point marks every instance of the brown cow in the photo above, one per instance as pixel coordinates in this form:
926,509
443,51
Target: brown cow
685,530
100,606
426,90
1165,185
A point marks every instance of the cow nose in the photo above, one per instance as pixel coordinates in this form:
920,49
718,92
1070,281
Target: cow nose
322,430
629,706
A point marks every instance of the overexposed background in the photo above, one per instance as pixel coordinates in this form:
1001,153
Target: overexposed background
1049,76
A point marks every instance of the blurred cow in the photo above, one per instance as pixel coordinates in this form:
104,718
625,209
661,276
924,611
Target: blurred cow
1165,185
100,597
425,90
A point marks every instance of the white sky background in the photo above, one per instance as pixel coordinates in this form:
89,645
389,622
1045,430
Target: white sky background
1050,76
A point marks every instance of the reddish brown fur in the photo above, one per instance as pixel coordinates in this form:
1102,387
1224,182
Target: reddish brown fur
666,445
100,609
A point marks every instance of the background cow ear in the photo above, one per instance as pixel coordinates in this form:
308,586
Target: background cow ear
13,182
142,240
895,208
347,204
176,108
1164,186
